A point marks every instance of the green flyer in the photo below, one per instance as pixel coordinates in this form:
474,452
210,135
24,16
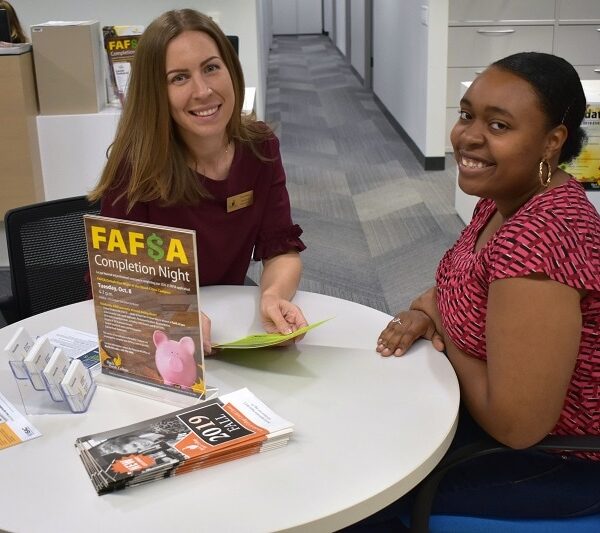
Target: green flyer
263,340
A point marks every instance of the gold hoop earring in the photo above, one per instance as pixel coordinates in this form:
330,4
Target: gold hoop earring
545,182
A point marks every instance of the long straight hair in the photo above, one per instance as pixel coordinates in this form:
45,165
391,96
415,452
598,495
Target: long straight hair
17,35
147,147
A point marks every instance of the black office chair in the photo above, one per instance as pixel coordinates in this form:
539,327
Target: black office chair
421,511
235,42
47,255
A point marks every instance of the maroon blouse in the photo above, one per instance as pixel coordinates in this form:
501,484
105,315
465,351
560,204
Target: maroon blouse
226,241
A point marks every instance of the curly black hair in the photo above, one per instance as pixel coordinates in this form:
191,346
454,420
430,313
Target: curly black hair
559,89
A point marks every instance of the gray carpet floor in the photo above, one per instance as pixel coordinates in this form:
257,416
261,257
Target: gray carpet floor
375,223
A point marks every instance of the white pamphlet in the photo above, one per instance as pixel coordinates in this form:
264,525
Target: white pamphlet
77,344
76,385
14,427
55,371
36,360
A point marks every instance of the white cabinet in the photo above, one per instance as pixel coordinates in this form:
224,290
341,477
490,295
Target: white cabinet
89,137
292,17
491,11
579,44
478,46
588,73
481,32
580,11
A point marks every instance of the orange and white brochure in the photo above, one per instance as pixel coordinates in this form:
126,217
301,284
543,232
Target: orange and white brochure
14,427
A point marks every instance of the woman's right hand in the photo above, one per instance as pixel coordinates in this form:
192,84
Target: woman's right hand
206,344
404,329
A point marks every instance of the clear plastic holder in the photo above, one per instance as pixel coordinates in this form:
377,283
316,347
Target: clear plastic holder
37,381
17,349
77,403
54,391
46,394
18,369
154,393
51,399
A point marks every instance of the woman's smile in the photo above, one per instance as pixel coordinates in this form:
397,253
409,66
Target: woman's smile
470,162
204,112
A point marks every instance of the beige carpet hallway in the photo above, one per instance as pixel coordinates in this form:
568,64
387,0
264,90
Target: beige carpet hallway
375,223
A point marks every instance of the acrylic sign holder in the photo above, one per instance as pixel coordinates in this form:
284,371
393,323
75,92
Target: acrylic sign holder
41,397
153,393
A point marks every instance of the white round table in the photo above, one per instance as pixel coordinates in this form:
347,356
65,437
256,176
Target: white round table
367,430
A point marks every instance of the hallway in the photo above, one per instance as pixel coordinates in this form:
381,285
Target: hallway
375,223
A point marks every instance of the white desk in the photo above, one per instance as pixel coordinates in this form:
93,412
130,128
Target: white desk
73,152
73,147
368,429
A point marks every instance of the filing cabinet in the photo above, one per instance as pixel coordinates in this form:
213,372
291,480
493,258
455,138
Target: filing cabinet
463,12
481,32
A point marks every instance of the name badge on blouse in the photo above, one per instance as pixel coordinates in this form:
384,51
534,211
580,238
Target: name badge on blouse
239,201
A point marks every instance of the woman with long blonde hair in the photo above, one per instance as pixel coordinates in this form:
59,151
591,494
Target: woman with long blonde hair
185,156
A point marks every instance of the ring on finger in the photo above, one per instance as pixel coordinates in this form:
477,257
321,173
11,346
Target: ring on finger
397,321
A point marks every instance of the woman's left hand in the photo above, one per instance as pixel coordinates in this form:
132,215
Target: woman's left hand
281,316
406,328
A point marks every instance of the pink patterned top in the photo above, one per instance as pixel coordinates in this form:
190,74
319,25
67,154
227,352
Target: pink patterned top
556,233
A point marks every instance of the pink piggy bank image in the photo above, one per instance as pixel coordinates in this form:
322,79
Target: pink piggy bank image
175,360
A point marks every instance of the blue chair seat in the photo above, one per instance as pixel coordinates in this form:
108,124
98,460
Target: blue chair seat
469,524
422,521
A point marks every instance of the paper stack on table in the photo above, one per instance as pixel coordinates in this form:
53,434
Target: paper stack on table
230,427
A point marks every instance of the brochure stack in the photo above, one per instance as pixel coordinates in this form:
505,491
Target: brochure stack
230,427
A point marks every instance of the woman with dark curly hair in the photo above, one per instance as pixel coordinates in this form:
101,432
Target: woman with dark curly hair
516,304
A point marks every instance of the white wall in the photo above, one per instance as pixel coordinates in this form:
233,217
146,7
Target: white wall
310,19
264,17
297,17
340,25
236,17
437,66
328,16
285,17
410,58
357,36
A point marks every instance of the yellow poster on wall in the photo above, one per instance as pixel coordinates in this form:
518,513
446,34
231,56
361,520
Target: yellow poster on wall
586,167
